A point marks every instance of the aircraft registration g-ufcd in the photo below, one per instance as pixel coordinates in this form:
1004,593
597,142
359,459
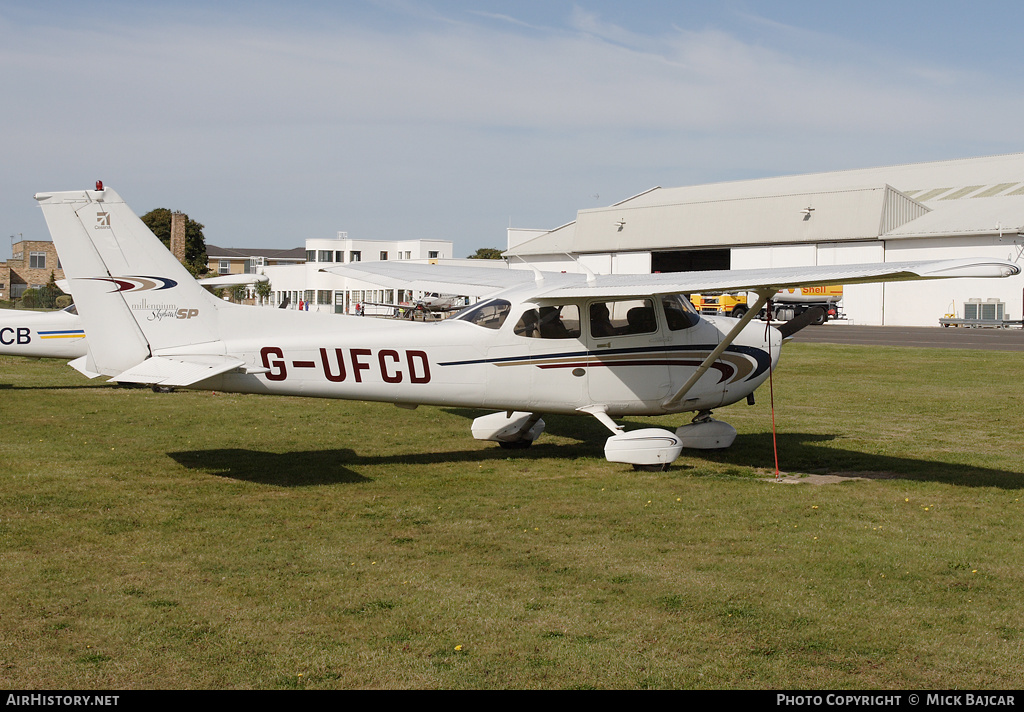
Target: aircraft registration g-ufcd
537,343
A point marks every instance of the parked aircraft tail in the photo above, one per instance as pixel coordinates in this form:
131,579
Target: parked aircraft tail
137,301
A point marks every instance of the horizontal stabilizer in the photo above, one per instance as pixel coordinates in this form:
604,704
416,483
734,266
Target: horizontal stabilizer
178,370
80,364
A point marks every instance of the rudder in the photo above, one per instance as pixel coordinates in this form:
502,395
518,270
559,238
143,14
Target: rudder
134,296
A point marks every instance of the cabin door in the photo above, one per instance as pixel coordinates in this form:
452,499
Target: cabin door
628,360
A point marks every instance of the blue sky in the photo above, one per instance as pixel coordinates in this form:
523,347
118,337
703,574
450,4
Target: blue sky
276,122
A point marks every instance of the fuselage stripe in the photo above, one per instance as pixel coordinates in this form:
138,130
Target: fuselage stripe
691,355
70,334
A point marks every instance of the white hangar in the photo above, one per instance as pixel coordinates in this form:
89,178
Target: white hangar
943,210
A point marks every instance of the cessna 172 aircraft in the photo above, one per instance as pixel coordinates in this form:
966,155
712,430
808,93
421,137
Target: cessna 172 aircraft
538,343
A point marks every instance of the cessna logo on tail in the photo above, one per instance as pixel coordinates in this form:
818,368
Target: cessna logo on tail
102,221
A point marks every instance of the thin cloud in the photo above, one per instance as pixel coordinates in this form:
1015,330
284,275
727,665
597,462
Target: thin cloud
459,118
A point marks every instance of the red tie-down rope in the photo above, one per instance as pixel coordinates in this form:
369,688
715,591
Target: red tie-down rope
771,381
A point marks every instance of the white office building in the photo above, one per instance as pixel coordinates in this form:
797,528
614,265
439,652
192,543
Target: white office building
306,286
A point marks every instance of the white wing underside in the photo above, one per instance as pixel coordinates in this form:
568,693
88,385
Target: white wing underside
446,279
480,282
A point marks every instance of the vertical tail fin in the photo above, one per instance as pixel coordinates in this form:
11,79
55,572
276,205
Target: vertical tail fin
133,295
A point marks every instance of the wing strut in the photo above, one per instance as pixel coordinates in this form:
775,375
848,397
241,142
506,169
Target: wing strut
762,299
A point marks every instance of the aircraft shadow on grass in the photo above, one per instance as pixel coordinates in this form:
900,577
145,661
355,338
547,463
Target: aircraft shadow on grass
11,387
323,467
798,452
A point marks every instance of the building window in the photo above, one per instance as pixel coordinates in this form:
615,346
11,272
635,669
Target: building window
383,254
310,255
37,260
355,256
224,267
339,256
433,254
325,256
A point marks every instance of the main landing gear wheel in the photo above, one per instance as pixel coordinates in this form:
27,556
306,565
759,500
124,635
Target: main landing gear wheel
660,467
511,430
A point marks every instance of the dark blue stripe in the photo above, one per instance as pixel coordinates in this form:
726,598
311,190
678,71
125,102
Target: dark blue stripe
759,355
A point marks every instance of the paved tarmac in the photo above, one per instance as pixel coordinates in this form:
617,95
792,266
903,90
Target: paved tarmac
922,336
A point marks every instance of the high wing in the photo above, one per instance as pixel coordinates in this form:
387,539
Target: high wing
770,280
556,285
452,279
232,280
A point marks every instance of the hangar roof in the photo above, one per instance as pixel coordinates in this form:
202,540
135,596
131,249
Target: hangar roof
945,198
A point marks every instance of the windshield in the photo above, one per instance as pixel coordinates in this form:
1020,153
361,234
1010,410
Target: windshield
679,312
490,314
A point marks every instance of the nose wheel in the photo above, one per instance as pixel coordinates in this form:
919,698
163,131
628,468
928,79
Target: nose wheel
648,449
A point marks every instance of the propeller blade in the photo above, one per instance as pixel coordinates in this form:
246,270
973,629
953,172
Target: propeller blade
814,315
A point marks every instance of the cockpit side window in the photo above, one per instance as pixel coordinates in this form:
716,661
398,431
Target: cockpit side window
679,312
619,318
490,314
556,322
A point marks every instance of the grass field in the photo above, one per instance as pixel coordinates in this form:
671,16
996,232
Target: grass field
199,540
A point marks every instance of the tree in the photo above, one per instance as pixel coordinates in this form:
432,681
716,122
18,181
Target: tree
486,253
30,299
159,221
263,291
49,292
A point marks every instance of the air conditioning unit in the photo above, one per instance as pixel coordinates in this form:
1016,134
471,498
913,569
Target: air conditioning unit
991,310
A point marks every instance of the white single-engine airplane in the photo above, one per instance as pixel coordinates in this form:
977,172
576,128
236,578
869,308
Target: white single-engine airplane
539,343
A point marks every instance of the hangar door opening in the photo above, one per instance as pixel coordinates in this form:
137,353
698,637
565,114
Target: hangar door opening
690,260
